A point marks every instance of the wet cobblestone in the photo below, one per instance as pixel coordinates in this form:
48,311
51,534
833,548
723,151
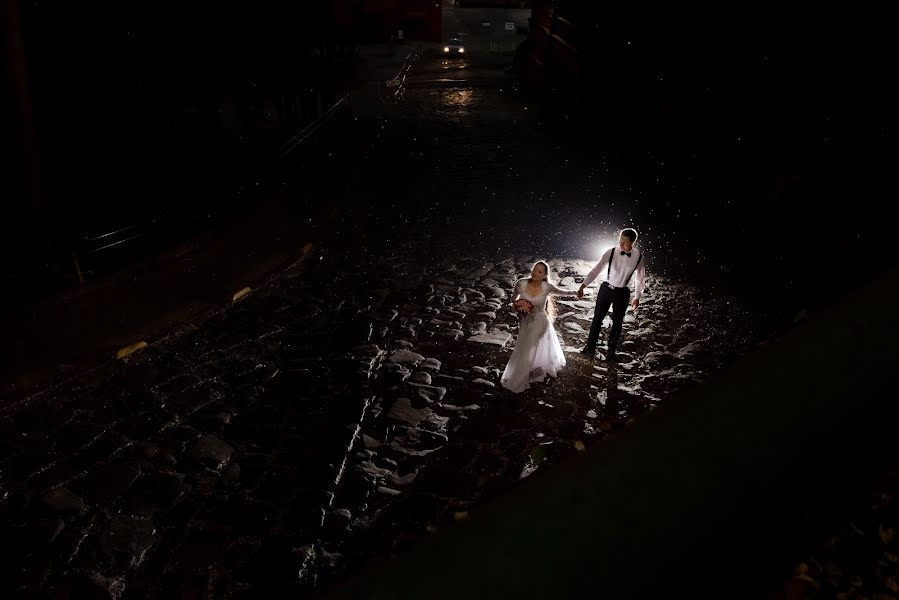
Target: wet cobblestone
341,412
284,457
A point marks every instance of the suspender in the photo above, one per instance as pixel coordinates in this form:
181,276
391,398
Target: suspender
639,258
609,269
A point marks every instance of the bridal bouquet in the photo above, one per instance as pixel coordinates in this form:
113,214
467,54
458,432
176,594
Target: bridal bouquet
523,306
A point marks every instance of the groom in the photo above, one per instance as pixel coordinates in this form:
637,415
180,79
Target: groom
620,265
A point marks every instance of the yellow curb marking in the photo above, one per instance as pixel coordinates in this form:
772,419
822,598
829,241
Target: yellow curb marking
240,294
123,352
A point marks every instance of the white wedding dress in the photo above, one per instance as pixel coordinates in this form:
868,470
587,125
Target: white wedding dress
537,353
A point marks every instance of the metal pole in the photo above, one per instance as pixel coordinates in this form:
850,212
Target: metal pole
78,269
24,137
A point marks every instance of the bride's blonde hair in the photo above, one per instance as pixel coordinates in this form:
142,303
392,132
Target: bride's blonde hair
551,310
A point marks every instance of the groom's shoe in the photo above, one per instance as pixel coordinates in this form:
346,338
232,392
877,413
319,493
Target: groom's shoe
611,357
588,351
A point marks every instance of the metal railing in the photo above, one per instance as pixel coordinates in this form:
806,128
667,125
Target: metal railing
398,83
90,247
503,47
94,245
309,131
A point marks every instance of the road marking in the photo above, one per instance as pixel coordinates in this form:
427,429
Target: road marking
128,350
240,294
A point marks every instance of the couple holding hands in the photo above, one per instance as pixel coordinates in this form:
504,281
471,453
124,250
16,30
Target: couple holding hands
537,352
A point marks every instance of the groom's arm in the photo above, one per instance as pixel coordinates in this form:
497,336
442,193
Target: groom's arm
639,284
640,280
595,271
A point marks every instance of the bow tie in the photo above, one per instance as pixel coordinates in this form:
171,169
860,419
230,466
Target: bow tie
623,253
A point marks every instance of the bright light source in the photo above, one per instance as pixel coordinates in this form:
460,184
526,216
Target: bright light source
461,50
446,48
601,249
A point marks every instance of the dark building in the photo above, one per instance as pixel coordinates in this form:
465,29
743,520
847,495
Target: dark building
748,118
494,3
139,113
382,20
779,66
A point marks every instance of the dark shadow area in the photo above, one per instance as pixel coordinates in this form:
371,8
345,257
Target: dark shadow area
715,493
762,137
137,126
340,413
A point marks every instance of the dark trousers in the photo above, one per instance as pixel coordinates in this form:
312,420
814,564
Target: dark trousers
618,299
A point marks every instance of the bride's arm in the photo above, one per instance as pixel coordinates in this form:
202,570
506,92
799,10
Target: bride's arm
559,291
516,293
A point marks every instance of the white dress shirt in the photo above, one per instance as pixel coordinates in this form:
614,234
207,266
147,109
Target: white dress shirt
622,267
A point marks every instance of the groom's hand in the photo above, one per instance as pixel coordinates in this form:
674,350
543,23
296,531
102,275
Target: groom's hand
635,303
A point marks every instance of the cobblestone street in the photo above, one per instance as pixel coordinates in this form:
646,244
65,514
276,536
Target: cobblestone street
270,440
353,404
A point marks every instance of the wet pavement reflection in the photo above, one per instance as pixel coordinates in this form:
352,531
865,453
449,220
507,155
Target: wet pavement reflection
350,408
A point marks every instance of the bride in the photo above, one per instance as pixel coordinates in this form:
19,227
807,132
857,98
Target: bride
537,351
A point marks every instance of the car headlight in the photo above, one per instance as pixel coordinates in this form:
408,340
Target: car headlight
461,50
446,48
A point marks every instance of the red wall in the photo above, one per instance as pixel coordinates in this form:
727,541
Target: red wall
378,20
